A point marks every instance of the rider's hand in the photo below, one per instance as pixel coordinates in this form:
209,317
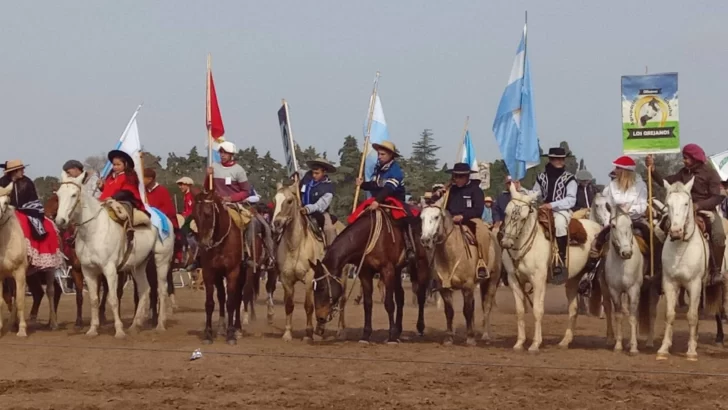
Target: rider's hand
457,219
545,206
517,184
209,171
373,206
304,211
359,181
650,162
100,183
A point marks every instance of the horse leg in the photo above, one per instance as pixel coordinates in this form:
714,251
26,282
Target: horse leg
170,289
308,308
341,331
694,290
246,279
113,279
208,276
270,287
92,279
399,300
289,291
670,291
634,301
36,290
163,280
469,313
239,295
616,296
50,277
718,330
151,275
607,307
446,295
387,275
102,288
233,303
519,298
487,298
423,282
572,291
539,293
78,284
142,289
5,300
367,288
220,285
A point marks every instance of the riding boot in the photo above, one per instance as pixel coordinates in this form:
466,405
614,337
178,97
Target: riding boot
409,244
560,272
716,263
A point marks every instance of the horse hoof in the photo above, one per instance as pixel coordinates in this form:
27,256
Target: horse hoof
692,357
363,342
393,342
307,339
22,333
533,351
634,353
161,329
245,321
471,342
120,335
92,333
53,327
661,356
287,337
341,335
518,348
207,342
232,342
238,334
447,342
719,344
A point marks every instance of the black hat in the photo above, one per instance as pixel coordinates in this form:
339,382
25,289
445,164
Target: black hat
122,155
72,163
557,152
461,168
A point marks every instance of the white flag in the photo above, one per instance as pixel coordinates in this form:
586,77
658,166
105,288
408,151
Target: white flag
720,162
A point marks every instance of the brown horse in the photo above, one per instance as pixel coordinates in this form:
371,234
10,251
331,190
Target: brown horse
379,240
253,266
221,255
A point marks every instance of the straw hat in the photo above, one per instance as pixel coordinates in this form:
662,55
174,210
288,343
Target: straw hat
387,146
322,163
428,195
185,181
13,165
488,199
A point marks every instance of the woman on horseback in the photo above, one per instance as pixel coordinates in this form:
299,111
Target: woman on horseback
24,196
122,183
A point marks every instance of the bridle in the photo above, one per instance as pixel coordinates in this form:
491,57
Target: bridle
441,238
215,212
513,219
78,201
612,236
685,236
334,307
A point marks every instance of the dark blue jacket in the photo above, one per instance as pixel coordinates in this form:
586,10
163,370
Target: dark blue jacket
388,180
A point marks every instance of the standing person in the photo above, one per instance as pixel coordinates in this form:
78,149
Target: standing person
487,216
706,197
584,194
185,185
74,168
502,201
317,193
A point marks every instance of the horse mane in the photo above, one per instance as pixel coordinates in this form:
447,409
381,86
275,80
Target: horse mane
349,242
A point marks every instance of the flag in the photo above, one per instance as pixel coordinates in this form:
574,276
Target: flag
289,147
214,119
469,153
720,162
216,150
377,134
515,123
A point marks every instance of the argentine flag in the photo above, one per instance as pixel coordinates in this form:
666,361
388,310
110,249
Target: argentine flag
378,134
515,123
469,153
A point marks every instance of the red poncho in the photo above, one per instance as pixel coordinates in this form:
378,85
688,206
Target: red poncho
158,197
115,183
397,212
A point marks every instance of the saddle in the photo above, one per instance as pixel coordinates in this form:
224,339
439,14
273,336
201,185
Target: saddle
577,233
240,215
119,212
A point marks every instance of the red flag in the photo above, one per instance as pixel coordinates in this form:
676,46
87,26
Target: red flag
214,119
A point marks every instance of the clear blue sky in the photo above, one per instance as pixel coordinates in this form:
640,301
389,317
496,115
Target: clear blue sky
73,71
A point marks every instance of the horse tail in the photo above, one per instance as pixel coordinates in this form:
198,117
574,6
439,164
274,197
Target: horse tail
595,299
644,310
713,299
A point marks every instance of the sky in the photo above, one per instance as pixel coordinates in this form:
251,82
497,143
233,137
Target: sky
74,71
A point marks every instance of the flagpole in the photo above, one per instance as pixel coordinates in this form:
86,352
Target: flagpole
650,213
296,177
364,152
459,158
107,167
209,118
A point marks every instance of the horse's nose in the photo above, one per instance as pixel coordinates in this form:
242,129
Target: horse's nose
506,243
426,242
626,254
61,222
676,232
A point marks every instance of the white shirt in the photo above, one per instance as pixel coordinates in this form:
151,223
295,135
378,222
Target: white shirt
634,200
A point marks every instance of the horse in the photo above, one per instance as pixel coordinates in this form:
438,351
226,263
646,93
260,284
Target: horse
297,248
221,256
624,271
684,264
14,263
374,243
253,265
527,256
454,259
101,247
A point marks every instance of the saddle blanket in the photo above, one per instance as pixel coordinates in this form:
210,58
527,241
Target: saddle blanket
397,213
159,221
45,253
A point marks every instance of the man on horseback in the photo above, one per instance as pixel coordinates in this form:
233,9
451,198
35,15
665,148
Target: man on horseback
706,197
74,168
558,187
230,181
465,203
317,192
585,193
388,181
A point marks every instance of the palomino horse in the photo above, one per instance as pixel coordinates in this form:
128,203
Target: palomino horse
101,249
684,264
221,256
454,259
527,256
375,244
14,261
297,249
624,271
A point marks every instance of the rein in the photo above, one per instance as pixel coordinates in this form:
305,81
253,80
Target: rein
215,211
78,201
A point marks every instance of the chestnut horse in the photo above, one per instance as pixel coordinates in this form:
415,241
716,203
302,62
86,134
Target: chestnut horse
221,255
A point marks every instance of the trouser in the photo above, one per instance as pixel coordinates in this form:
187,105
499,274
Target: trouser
717,242
482,236
267,235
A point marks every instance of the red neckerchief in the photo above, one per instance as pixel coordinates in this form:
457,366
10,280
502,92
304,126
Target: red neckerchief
229,163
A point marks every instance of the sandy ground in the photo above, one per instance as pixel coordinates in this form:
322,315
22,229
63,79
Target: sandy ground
64,369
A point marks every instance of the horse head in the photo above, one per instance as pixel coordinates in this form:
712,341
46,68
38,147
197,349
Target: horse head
620,231
206,213
327,290
69,197
433,225
599,212
518,210
5,199
286,207
679,208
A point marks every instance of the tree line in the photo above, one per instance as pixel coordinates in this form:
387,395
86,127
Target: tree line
423,168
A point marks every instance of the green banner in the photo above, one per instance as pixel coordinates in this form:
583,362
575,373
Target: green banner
650,123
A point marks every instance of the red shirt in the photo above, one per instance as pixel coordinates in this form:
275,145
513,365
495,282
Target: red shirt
116,183
158,197
189,201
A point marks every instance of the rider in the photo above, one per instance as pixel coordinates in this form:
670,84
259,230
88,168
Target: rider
24,196
629,192
74,168
557,187
122,184
158,197
317,192
706,197
586,191
388,181
465,203
231,182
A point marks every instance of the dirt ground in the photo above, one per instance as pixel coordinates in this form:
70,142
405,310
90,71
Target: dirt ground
64,369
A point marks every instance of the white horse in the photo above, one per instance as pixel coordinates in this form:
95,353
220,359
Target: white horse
14,260
623,274
100,246
527,256
684,264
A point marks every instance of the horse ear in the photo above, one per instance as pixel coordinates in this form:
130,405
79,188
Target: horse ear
279,185
689,185
666,184
609,207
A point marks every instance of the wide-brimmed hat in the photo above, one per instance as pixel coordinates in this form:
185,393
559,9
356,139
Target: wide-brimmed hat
461,168
488,199
185,181
13,165
387,146
321,163
428,195
123,155
557,152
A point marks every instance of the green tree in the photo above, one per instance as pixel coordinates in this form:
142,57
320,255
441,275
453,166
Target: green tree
45,186
665,164
424,152
345,176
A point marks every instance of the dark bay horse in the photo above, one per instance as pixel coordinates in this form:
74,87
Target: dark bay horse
252,268
379,240
221,255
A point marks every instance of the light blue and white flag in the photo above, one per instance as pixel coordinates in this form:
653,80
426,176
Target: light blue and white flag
378,134
515,123
469,153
